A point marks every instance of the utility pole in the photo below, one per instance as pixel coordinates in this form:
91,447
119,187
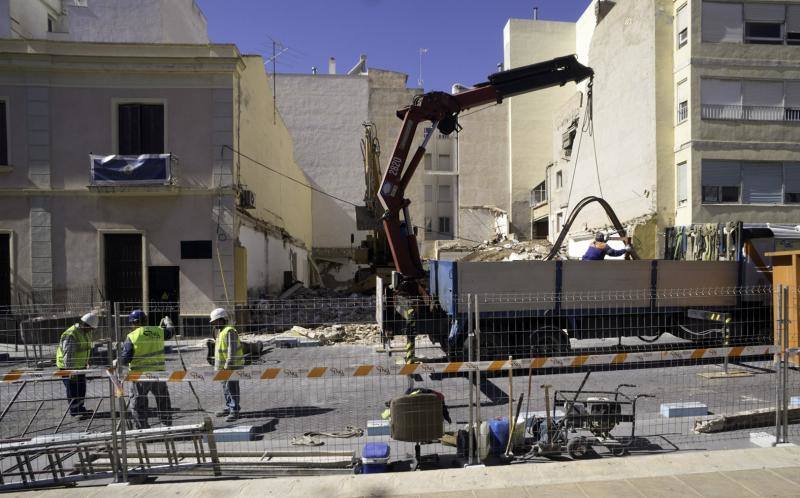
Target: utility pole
274,86
420,82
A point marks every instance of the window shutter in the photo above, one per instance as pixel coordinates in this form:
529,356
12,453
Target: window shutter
793,19
682,183
721,173
764,12
683,91
444,194
683,18
129,126
791,177
721,92
762,183
443,163
3,135
722,22
762,93
793,94
152,129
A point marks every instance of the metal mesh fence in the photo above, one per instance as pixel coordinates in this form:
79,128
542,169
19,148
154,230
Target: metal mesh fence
328,383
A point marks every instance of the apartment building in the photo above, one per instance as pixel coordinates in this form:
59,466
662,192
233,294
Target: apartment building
440,170
144,171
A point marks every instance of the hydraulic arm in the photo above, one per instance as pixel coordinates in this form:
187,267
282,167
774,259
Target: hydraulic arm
442,109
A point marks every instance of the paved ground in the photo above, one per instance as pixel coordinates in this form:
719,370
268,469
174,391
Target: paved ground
731,473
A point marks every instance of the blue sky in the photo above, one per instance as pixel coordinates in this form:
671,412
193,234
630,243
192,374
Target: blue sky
464,38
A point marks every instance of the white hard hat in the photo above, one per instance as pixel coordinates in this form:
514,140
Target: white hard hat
90,319
217,314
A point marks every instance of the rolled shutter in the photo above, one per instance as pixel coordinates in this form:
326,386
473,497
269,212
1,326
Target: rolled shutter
3,135
683,19
791,178
722,22
721,173
763,100
762,183
764,12
793,19
682,183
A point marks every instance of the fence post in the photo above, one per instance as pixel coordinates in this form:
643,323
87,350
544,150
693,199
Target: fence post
112,397
123,411
778,366
784,350
470,359
476,325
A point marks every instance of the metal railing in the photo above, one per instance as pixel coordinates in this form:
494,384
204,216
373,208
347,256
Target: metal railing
749,113
323,377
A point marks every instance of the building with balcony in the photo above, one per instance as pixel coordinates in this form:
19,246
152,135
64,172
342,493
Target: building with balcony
145,172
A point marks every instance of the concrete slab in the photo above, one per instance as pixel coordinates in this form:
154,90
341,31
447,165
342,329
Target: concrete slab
714,485
685,409
554,491
762,483
609,489
661,487
791,474
505,492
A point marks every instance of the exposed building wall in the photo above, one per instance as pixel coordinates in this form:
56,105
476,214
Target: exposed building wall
530,116
632,121
128,21
483,170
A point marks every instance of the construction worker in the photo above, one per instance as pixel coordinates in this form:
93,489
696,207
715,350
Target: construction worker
143,351
599,249
73,353
228,355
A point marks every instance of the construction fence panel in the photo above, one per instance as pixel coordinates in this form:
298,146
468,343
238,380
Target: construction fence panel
327,380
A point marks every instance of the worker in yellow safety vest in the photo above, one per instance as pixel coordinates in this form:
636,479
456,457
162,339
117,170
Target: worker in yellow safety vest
73,353
143,352
228,355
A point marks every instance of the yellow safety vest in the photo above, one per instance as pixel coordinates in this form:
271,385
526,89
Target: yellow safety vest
221,354
83,342
148,349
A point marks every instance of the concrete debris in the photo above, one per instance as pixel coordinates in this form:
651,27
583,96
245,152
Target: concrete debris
510,250
351,333
761,417
313,308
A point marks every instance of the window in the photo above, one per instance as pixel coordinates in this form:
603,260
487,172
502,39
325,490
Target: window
3,134
539,194
195,249
445,194
51,24
721,99
141,129
721,181
683,101
722,22
427,162
683,25
559,221
559,180
791,183
443,163
568,139
428,225
428,193
793,24
682,183
762,100
763,23
753,100
444,224
791,100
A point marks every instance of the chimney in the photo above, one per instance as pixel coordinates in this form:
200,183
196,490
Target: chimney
313,69
536,13
332,65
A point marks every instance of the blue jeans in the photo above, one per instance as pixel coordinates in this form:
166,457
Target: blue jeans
230,389
76,391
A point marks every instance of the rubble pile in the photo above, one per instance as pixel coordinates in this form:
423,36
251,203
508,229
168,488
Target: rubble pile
312,308
351,333
510,250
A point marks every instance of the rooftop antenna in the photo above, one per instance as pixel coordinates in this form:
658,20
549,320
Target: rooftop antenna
420,81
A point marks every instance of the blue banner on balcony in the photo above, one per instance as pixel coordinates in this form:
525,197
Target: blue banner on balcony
149,169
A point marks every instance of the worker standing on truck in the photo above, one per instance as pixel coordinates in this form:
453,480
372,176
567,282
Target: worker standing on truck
143,352
599,249
73,353
228,355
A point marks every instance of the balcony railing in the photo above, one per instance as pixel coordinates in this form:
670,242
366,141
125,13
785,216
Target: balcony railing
749,113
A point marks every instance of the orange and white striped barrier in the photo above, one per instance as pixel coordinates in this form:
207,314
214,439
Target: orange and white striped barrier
255,373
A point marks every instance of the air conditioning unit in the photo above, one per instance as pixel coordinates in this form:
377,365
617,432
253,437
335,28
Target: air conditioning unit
247,199
80,3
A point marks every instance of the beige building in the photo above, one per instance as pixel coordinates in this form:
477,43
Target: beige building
692,119
214,212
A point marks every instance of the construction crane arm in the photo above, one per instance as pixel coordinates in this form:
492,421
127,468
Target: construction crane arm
442,109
